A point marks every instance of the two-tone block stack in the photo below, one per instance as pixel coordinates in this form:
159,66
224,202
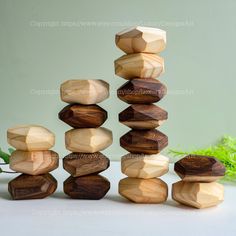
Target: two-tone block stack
86,139
198,187
34,159
141,66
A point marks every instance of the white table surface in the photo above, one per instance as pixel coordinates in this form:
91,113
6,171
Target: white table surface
113,215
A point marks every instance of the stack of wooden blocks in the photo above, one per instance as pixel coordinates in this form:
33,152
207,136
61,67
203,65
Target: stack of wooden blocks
141,66
34,159
198,187
86,139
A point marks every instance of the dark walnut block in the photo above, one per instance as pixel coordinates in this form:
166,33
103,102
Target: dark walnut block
79,164
138,116
83,116
92,187
32,186
144,141
142,91
197,168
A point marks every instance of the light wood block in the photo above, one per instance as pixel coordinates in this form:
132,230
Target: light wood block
30,138
141,39
143,190
197,168
198,195
144,166
141,65
34,163
84,91
88,140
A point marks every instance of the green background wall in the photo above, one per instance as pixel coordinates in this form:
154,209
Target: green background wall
45,42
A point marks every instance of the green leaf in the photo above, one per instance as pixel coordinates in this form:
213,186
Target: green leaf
4,156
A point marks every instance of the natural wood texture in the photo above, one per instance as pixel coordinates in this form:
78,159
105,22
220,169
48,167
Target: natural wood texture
144,141
80,164
144,166
140,116
143,190
93,187
83,116
142,91
199,195
84,91
34,163
141,39
32,187
142,65
88,140
30,138
194,168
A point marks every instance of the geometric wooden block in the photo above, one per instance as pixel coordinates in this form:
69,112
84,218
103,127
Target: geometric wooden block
30,138
198,195
140,116
144,166
83,116
197,168
142,91
144,141
93,187
142,65
32,186
88,140
143,190
80,164
34,163
141,39
84,91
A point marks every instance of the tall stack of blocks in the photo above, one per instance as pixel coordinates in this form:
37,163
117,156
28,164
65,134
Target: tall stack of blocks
141,66
33,158
86,139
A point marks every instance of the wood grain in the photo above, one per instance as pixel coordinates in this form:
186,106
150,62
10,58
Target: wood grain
92,187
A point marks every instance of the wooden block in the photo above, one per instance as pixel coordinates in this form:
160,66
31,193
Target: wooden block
142,65
198,195
140,116
142,91
196,168
30,138
32,187
84,91
80,164
143,190
144,166
34,163
92,187
88,140
83,116
141,39
144,141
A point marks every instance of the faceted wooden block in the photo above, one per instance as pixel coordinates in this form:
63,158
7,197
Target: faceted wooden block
84,91
196,168
139,116
144,166
88,140
144,141
93,187
141,39
32,187
30,138
142,65
142,91
34,163
83,116
196,194
143,190
79,164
